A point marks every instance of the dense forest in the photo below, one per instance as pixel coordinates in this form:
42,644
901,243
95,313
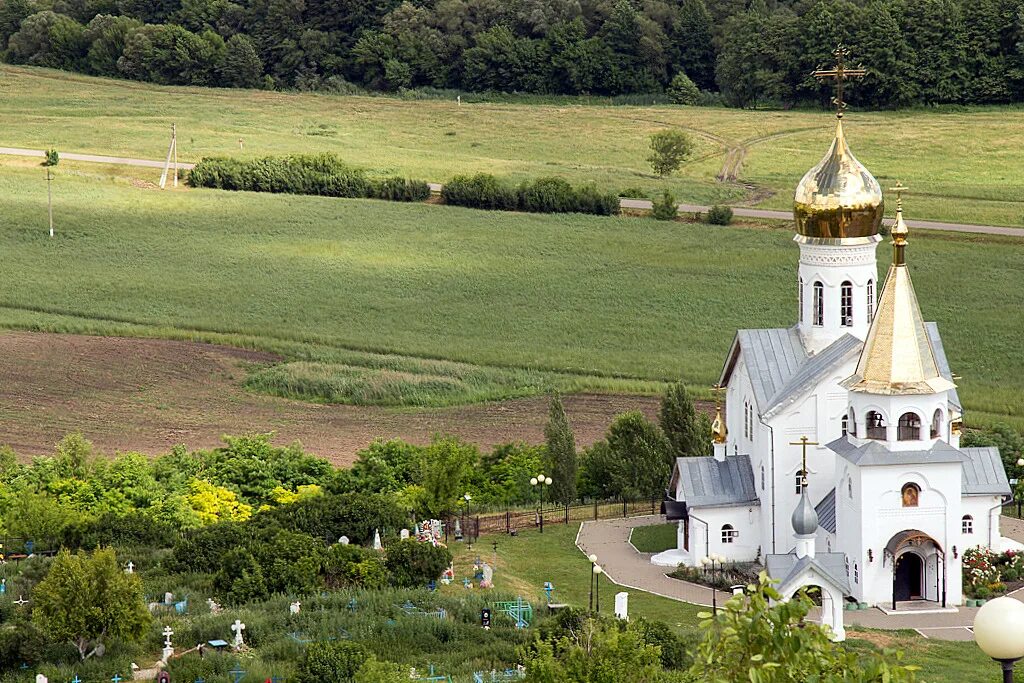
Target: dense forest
738,52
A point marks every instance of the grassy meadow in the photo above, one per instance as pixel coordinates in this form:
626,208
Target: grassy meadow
368,301
962,164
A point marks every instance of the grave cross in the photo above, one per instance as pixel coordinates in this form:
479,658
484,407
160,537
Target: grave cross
76,679
167,635
237,673
129,568
804,442
116,679
840,73
238,627
21,601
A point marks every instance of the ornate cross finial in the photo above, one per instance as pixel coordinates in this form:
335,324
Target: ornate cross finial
719,433
839,73
805,442
899,190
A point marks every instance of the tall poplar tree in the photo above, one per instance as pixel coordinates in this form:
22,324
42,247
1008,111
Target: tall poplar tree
561,453
688,432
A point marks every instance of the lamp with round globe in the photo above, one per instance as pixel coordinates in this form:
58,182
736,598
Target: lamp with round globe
467,498
540,482
593,574
999,632
712,561
597,583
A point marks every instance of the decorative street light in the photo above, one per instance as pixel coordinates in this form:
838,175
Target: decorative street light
999,632
711,561
541,482
468,498
597,584
593,574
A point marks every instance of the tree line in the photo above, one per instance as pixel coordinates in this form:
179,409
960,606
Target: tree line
742,53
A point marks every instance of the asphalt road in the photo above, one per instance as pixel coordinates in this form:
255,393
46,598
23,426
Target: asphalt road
744,212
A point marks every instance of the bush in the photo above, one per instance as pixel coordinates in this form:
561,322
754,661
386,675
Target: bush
52,158
314,174
633,193
665,207
682,90
350,565
719,215
337,662
411,563
544,195
669,149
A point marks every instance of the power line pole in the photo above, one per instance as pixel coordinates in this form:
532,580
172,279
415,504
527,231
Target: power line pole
172,153
49,197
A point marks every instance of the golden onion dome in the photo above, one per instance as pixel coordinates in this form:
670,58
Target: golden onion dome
838,198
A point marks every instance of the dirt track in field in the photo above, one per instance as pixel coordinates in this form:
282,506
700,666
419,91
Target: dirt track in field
148,395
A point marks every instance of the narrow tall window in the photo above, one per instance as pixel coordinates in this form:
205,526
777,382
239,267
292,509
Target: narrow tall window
967,524
845,425
800,299
846,304
936,424
909,427
871,300
762,477
819,304
851,423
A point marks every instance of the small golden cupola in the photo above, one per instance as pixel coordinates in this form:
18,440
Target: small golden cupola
838,198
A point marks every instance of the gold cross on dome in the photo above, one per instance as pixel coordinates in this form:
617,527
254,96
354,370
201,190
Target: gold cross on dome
839,73
805,442
899,190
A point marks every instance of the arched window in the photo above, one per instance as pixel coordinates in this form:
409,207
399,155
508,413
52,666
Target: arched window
729,534
909,427
851,423
845,425
819,304
746,420
800,300
849,487
846,304
910,494
967,524
856,573
936,424
871,300
800,481
875,424
762,477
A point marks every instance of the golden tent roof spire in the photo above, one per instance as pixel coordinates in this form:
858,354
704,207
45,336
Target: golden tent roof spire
898,358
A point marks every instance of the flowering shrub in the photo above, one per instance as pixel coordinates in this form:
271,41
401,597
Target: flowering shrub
981,572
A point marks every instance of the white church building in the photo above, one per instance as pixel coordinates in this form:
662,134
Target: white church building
889,500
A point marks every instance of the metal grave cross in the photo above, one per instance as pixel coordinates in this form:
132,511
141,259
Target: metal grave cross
76,679
804,442
237,673
840,73
116,679
21,601
167,636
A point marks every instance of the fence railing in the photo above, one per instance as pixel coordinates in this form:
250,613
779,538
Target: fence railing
1013,509
512,521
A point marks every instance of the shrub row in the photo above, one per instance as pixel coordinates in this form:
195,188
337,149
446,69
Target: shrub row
317,174
544,195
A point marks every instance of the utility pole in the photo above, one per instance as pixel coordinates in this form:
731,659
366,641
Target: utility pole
49,197
172,153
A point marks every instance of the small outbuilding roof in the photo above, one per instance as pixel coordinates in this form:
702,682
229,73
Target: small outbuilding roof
826,509
706,482
984,473
787,569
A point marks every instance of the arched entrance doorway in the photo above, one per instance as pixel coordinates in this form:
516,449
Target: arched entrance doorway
908,582
918,566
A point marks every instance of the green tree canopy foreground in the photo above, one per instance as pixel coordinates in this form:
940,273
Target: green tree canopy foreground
86,599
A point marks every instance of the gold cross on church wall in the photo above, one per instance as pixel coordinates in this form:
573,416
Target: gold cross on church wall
839,73
805,442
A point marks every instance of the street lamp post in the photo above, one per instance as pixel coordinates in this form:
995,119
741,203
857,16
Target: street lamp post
468,498
714,560
999,632
593,563
1020,464
541,482
597,587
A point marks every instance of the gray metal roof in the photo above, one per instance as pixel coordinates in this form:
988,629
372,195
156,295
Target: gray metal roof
875,453
706,482
984,473
786,568
940,360
826,509
779,366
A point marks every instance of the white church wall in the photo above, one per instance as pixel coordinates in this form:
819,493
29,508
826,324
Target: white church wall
832,265
892,408
984,512
745,522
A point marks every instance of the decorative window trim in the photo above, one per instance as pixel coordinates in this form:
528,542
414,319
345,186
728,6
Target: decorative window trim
818,301
846,304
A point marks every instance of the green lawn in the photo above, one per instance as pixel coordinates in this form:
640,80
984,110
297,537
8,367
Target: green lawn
521,303
962,165
655,538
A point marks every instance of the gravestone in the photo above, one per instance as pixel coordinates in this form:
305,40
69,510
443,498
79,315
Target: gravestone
295,607
343,540
377,545
622,606
168,598
3,586
168,647
238,627
214,606
485,617
40,678
404,535
129,568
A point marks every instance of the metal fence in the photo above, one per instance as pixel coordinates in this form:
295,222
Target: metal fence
513,521
1013,509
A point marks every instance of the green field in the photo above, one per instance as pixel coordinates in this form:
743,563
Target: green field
520,303
963,165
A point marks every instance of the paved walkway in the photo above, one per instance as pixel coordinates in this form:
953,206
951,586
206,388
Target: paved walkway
642,204
609,540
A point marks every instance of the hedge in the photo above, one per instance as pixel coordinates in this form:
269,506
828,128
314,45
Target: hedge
544,195
315,174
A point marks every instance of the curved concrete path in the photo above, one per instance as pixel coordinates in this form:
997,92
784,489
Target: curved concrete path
625,566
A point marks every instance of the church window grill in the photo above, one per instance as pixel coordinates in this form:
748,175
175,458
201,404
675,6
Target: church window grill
936,424
729,534
910,494
909,427
845,425
967,524
800,300
856,573
819,304
846,304
875,424
871,300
